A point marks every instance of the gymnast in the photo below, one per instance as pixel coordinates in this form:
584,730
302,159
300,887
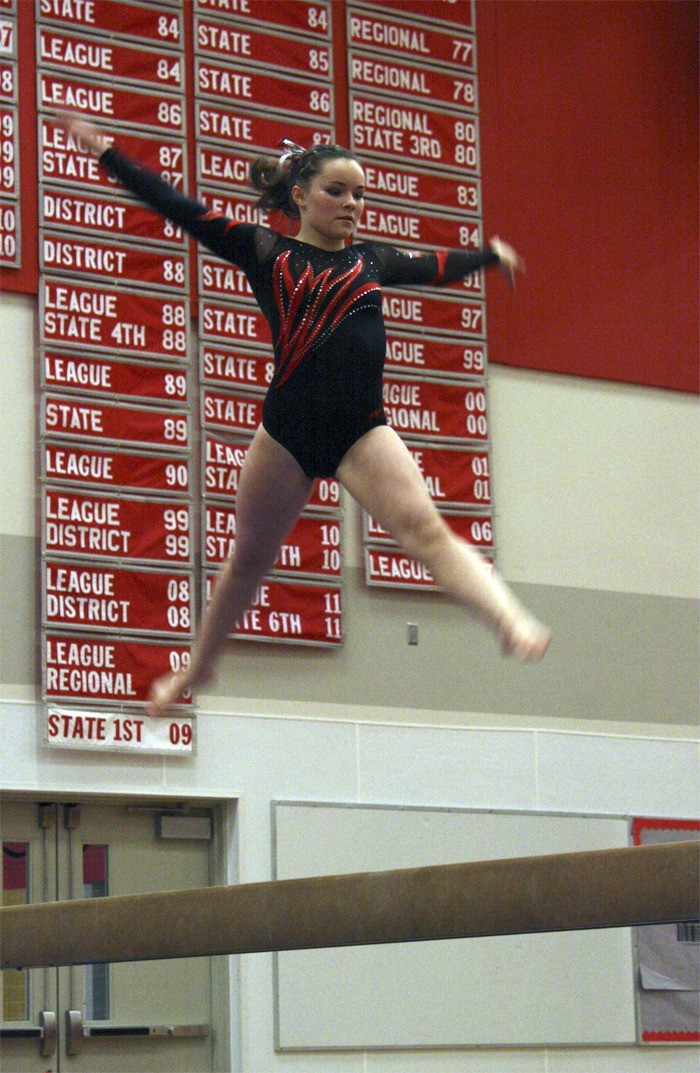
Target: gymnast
323,414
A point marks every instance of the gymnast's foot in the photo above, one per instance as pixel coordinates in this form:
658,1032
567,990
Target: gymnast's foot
524,637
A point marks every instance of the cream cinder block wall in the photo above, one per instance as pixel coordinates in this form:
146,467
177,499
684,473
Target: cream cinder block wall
18,433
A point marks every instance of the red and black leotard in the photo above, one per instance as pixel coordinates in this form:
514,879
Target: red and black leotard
325,312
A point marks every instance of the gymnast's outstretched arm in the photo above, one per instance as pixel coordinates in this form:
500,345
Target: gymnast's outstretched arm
231,241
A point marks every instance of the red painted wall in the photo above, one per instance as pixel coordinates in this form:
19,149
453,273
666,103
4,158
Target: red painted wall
589,147
589,133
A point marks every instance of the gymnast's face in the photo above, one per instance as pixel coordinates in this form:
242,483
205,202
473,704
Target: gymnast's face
331,204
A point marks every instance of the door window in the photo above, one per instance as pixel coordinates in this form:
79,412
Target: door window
15,891
95,977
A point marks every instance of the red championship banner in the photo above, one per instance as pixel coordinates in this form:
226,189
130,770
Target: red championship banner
242,210
477,531
473,284
236,368
79,728
455,477
409,185
223,83
263,48
97,317
381,76
89,420
9,153
259,131
129,264
105,101
158,23
221,279
117,528
103,215
392,569
405,130
8,82
117,599
9,233
223,460
8,37
424,356
399,226
109,59
224,168
437,313
291,611
101,671
314,19
235,325
91,374
10,140
312,548
398,38
67,464
236,413
64,158
457,12
428,409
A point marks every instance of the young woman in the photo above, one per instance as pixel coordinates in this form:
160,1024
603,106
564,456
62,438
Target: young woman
323,414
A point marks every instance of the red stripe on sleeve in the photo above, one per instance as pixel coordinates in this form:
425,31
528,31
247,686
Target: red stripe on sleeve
441,260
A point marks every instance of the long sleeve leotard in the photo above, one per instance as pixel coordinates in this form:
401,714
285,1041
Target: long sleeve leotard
324,310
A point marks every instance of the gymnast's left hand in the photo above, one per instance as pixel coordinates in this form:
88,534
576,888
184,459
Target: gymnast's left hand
165,693
509,261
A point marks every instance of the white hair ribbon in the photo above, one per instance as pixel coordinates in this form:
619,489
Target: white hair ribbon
290,151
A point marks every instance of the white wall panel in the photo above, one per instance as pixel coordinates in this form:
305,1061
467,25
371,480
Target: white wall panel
508,990
595,484
417,765
274,757
618,775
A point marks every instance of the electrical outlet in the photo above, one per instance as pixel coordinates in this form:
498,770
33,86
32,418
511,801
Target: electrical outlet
412,630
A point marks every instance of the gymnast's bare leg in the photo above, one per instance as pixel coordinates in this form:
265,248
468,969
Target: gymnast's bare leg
272,492
380,473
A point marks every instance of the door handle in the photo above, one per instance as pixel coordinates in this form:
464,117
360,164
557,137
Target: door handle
74,1032
46,1032
161,1031
77,1032
47,1023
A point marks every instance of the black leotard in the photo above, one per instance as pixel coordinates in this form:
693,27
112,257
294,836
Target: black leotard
324,310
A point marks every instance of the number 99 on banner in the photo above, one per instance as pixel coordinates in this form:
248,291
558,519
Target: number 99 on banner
176,522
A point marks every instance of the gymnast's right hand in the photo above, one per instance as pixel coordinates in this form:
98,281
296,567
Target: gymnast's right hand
87,132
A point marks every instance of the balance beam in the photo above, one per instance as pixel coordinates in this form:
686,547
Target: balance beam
562,892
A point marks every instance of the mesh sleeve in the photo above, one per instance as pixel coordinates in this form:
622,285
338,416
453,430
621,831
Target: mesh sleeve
436,268
234,242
